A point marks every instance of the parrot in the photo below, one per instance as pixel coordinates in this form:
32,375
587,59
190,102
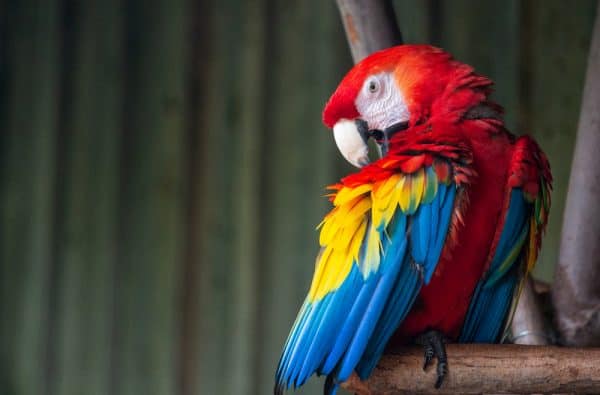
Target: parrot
431,241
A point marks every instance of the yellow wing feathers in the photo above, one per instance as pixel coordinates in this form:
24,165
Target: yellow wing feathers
351,233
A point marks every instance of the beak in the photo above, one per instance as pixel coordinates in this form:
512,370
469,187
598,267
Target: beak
351,138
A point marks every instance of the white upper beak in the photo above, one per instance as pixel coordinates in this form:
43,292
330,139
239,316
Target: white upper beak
351,143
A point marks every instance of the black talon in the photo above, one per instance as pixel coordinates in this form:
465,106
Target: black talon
434,345
428,355
442,370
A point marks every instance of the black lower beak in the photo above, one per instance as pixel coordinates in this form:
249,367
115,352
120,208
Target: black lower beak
363,129
381,137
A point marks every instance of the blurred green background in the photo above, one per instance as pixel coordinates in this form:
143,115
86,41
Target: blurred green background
162,172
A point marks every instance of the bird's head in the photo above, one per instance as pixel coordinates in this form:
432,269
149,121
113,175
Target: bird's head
396,88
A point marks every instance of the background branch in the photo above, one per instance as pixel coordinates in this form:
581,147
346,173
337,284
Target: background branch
370,25
529,325
576,292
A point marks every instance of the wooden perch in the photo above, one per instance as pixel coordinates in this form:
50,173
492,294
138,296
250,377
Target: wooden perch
576,292
479,368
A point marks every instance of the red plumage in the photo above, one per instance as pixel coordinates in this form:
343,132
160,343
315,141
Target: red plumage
440,252
439,92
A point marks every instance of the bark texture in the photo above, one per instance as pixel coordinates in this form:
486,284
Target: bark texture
492,369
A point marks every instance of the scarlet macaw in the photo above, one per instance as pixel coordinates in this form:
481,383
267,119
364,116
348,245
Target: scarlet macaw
431,242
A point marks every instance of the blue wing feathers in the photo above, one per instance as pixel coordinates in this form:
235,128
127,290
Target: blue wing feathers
398,305
315,319
434,223
344,335
490,329
350,297
486,316
305,338
421,234
348,329
493,295
426,247
515,228
320,338
365,329
446,201
392,263
338,303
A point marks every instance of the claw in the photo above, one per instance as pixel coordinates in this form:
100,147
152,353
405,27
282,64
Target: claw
442,370
433,344
428,356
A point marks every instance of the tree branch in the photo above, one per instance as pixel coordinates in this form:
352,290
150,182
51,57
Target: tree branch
478,368
528,325
576,293
370,26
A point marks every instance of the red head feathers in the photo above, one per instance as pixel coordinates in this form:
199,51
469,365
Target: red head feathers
429,80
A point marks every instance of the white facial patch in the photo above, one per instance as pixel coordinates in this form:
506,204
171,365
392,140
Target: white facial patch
350,143
381,103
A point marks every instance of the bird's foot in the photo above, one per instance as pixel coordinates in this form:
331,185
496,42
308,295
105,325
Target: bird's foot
433,343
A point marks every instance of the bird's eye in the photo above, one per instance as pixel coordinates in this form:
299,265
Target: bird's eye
373,85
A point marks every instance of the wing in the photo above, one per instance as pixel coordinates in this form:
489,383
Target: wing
516,251
380,243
